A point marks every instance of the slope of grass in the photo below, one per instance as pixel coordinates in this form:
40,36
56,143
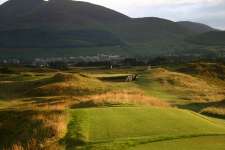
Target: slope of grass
69,84
154,88
122,97
195,143
130,126
203,69
58,84
26,76
179,87
209,38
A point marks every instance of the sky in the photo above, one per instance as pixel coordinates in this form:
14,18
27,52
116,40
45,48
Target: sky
210,12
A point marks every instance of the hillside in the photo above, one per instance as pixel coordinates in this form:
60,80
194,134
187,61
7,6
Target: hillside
149,29
43,38
214,38
60,14
196,27
56,24
57,27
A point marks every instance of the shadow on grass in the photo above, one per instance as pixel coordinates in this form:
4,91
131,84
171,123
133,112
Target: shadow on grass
71,143
198,107
45,100
113,79
90,104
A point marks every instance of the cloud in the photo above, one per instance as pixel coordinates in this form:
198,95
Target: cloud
211,12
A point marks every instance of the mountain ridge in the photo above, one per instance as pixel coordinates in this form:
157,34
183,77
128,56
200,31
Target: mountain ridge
76,24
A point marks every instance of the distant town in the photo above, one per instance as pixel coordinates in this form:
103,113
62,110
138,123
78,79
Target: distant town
108,60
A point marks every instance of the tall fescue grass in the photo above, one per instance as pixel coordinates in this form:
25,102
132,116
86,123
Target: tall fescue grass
69,84
132,97
176,79
31,130
218,109
203,69
214,111
30,145
186,86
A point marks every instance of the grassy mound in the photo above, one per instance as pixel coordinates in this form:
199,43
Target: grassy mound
176,86
68,84
210,70
216,110
118,98
118,127
63,77
59,84
169,78
18,86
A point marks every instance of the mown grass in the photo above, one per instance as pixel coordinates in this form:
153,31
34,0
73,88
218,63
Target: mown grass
195,143
126,126
153,88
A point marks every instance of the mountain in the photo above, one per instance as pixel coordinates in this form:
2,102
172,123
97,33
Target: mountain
196,27
64,27
142,30
56,23
213,38
56,14
67,23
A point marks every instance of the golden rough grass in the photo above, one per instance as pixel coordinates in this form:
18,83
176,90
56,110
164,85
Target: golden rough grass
136,97
167,77
58,105
209,70
51,127
55,121
196,88
220,111
131,96
69,84
217,109
15,147
31,145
